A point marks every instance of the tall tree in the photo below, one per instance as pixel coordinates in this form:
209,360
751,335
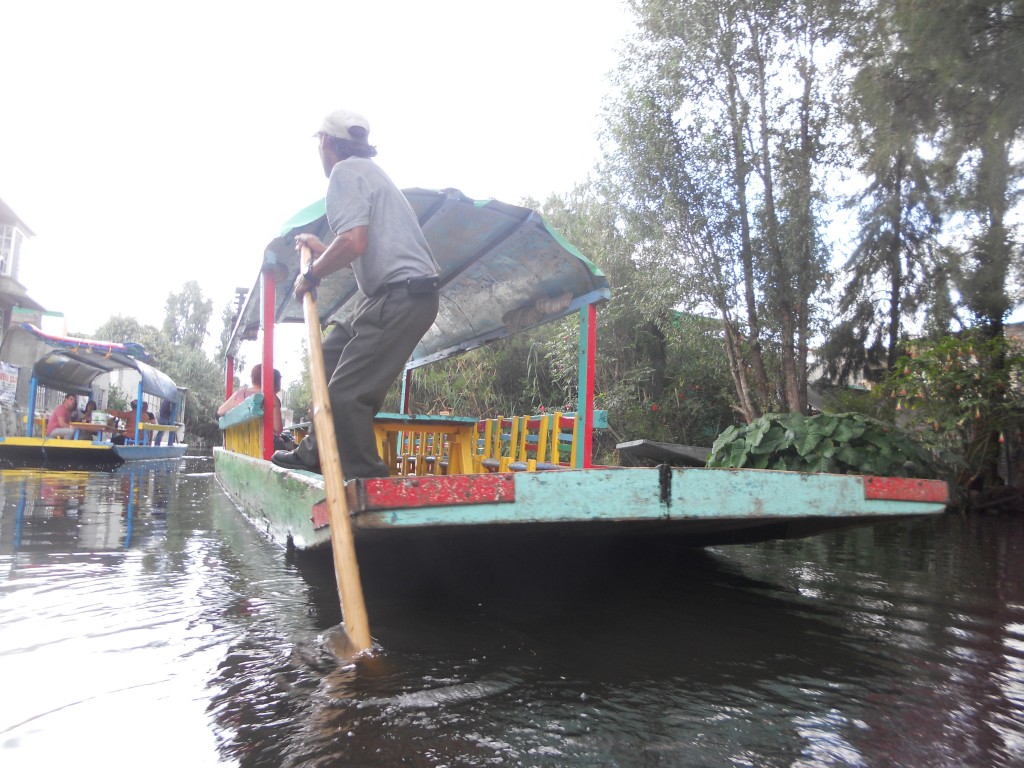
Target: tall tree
970,54
660,374
187,316
299,394
185,326
187,365
227,318
718,146
192,369
893,263
127,329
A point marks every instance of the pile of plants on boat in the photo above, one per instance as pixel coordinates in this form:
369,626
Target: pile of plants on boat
839,443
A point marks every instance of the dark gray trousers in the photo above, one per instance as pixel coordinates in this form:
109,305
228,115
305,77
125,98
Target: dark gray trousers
367,352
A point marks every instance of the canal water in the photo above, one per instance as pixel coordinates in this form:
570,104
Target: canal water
144,622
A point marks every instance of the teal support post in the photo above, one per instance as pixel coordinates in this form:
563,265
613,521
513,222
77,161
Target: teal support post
139,405
31,425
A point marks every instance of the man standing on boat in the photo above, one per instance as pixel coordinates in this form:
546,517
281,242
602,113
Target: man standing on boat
378,234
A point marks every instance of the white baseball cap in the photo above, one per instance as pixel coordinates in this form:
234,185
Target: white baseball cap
346,124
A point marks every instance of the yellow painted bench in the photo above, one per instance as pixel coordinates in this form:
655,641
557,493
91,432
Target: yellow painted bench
530,443
243,427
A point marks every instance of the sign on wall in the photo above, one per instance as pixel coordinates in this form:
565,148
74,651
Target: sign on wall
8,382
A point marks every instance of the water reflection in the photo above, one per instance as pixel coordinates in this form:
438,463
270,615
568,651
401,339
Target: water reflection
900,645
65,511
748,655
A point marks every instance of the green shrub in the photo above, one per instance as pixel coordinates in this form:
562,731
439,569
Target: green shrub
839,443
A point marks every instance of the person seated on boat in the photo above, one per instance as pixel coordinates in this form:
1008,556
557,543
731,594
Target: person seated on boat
378,234
254,387
59,424
165,417
86,415
147,418
128,433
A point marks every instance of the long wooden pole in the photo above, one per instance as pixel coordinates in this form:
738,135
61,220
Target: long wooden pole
346,568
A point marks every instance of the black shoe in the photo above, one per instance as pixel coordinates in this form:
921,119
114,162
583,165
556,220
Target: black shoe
289,460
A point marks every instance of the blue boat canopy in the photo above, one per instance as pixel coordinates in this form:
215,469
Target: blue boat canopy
72,365
503,269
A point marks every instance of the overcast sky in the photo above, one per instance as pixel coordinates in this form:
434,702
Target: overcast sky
150,144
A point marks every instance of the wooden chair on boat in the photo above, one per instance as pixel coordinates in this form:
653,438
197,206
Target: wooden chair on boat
546,442
423,453
526,443
497,440
425,444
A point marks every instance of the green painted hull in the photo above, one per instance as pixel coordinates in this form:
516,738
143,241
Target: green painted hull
696,505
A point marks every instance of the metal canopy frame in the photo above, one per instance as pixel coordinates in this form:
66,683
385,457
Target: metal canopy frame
73,364
501,267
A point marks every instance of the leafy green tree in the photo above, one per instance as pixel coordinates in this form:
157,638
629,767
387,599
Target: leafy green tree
936,115
182,357
719,167
116,399
660,374
959,401
968,54
122,329
898,214
227,318
185,326
192,369
299,394
187,316
965,57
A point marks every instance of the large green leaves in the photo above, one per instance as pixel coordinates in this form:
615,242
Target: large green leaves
840,443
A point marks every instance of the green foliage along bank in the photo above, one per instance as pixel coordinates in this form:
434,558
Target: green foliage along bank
177,350
839,443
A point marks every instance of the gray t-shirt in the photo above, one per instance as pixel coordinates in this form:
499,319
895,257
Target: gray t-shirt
361,194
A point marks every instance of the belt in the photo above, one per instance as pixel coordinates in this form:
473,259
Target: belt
414,285
389,287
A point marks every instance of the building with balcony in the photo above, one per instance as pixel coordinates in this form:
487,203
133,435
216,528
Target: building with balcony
16,354
14,234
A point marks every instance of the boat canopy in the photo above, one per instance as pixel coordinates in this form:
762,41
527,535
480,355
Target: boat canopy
503,269
72,364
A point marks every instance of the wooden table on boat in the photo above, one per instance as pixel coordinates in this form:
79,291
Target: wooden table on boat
96,430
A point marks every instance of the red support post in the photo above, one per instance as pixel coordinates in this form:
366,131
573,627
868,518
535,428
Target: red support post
406,390
588,434
585,386
267,383
229,384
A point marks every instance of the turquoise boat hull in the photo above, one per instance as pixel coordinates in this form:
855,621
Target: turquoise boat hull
698,505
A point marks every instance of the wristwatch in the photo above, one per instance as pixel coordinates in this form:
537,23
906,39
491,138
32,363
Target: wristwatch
307,275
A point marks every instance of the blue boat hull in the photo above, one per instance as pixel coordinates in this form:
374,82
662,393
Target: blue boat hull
150,452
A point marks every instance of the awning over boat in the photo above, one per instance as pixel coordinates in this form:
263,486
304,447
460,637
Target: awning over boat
72,364
503,269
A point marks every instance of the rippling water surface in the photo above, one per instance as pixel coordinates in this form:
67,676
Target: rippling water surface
143,621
